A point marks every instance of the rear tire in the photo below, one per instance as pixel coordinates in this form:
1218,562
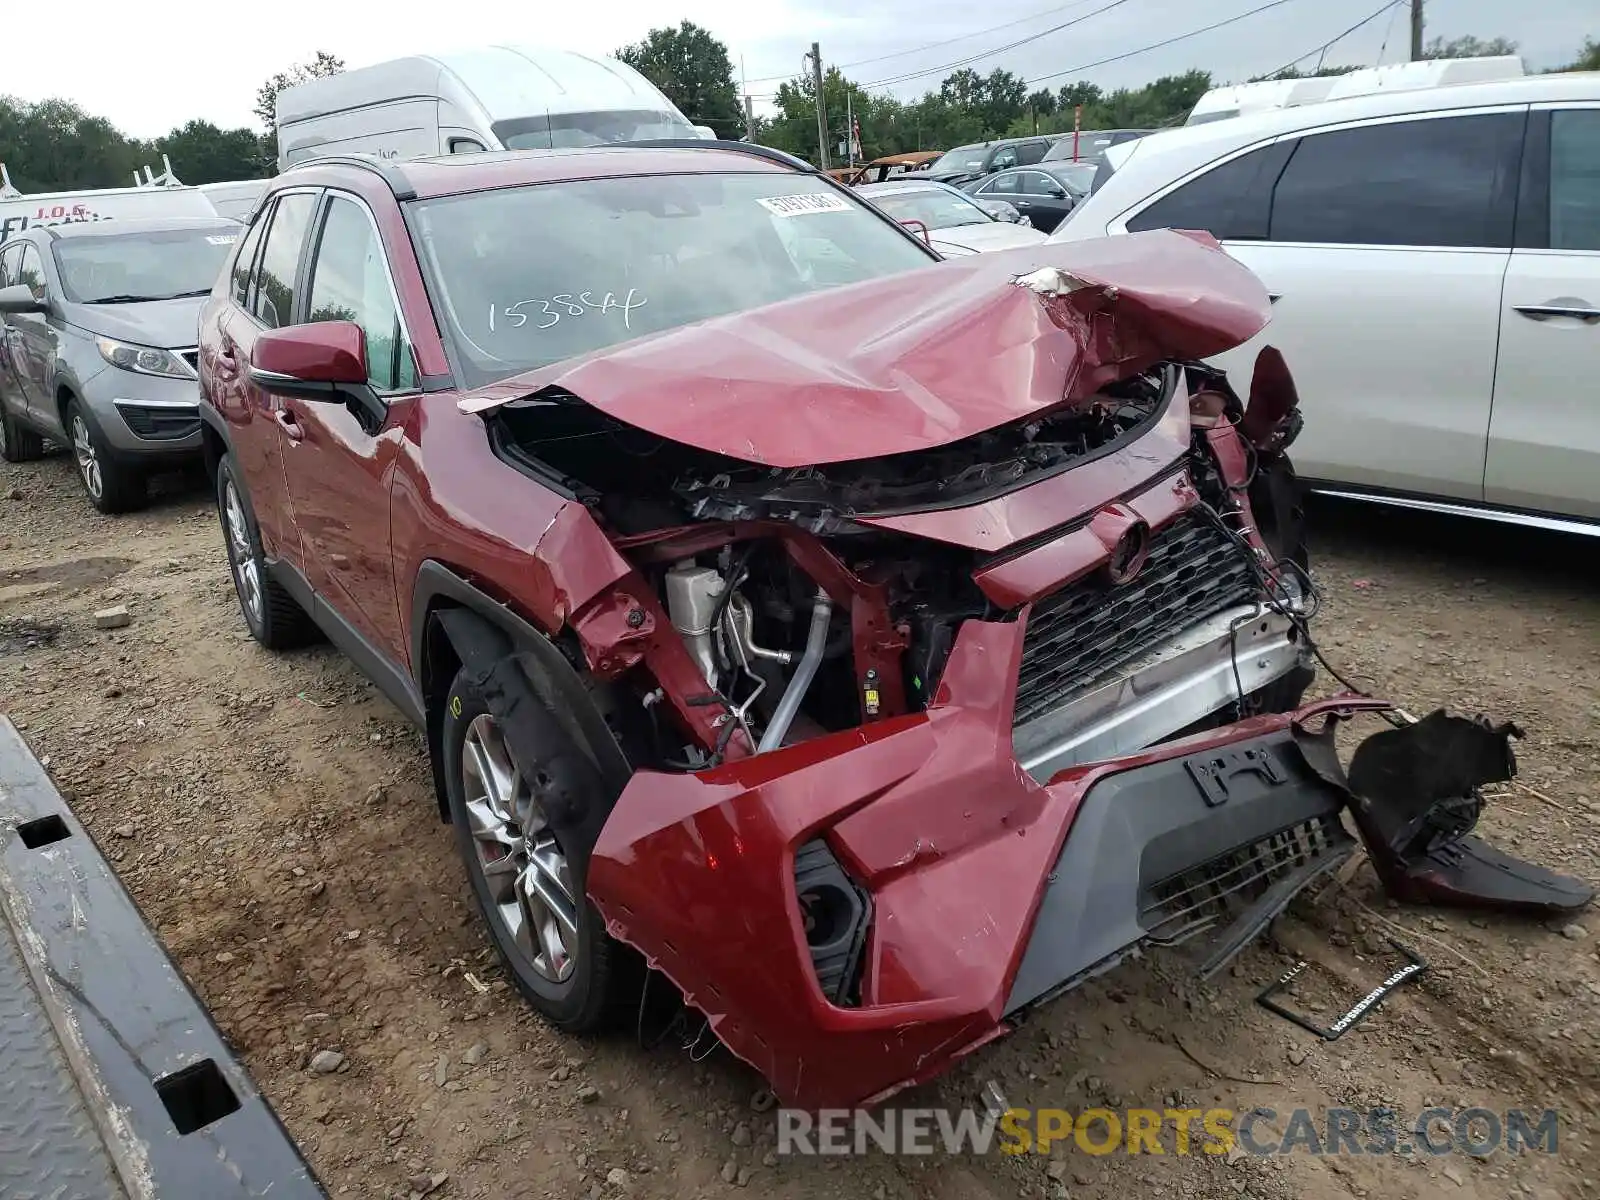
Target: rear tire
274,618
18,443
558,955
113,486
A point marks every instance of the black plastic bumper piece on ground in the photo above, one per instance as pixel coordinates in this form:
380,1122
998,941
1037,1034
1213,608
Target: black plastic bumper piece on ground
113,1080
1216,842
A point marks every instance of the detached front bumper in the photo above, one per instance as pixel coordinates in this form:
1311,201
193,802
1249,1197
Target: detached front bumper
954,888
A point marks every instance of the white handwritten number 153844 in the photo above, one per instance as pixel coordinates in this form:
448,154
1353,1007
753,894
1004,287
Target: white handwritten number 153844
551,309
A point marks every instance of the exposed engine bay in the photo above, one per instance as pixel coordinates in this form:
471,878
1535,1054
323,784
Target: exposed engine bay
778,648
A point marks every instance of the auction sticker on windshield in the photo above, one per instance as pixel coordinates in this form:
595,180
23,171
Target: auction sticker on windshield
799,206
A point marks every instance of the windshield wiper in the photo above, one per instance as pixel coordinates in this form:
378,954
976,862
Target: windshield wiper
132,299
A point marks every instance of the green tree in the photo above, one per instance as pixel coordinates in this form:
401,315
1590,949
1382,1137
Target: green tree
202,153
54,145
1588,58
1073,94
692,68
1468,47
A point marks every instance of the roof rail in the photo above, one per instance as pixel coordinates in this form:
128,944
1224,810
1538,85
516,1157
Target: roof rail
387,169
782,157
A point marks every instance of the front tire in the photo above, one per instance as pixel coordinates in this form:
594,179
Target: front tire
112,485
274,618
550,937
18,443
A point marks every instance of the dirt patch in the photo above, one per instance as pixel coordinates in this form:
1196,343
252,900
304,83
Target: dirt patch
273,816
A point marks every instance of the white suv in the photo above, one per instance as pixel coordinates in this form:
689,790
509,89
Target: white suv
1434,260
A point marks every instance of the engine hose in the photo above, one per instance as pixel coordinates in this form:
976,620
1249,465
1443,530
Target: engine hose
800,682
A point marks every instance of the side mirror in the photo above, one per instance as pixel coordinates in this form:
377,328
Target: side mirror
313,361
19,298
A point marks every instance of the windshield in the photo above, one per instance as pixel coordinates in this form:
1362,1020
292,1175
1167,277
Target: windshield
526,276
934,207
156,265
566,130
962,158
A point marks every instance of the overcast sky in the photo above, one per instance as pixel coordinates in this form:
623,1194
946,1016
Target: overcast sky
151,66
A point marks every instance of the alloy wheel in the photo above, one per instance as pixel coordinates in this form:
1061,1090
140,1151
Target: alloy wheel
88,457
529,880
246,572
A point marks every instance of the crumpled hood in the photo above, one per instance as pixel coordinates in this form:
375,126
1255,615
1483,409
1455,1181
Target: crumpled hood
922,358
167,324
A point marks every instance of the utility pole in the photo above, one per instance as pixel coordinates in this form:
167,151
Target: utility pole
749,104
1416,30
822,115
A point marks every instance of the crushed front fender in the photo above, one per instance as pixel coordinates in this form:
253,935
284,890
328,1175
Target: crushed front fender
975,881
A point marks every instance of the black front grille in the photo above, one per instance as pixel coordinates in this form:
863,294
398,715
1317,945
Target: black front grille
1078,634
192,357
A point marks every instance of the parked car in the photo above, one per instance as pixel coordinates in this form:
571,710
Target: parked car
753,589
471,101
1089,144
984,158
954,223
1044,194
1434,256
892,166
98,326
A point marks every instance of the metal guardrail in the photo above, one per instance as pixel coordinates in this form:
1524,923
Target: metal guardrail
116,1081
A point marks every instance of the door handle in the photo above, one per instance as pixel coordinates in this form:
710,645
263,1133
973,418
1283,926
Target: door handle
292,429
1542,312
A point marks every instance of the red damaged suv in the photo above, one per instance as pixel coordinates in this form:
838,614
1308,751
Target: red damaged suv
875,646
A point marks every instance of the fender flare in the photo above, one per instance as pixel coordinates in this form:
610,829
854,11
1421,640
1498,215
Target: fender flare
480,630
213,424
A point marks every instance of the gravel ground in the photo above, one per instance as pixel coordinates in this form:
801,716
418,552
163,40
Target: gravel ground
273,817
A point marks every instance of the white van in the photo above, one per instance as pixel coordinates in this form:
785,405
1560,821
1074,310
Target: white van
495,98
19,211
235,200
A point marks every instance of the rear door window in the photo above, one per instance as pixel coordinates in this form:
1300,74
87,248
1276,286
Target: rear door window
1575,179
1448,181
1230,202
273,303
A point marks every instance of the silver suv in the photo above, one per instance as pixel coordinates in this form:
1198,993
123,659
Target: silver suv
97,346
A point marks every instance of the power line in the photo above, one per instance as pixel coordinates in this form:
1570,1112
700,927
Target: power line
861,62
972,58
1156,45
1327,45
